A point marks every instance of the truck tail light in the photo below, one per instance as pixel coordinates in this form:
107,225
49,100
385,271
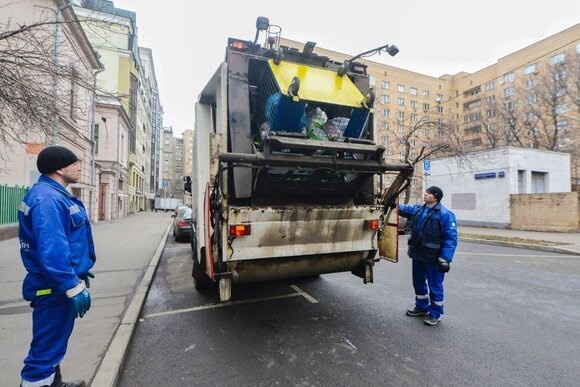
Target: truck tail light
372,224
237,230
238,45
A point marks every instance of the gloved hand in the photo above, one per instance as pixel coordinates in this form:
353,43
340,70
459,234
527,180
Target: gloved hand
391,203
444,265
86,279
82,303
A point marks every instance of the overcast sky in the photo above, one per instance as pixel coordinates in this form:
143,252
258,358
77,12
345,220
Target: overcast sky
188,38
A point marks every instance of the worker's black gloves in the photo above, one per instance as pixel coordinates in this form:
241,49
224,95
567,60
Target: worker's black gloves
391,203
86,279
443,264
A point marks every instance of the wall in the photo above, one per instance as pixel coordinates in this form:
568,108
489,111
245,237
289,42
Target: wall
546,212
477,186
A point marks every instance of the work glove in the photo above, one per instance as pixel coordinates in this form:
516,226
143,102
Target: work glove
86,279
82,303
443,265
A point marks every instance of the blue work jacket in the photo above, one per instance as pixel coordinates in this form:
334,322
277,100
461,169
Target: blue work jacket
56,242
433,234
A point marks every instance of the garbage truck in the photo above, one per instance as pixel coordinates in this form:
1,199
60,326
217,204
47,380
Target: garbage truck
288,180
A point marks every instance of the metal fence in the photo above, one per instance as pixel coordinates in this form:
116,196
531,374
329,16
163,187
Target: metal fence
10,198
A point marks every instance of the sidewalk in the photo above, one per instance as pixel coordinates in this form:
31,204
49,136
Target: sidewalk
560,242
128,251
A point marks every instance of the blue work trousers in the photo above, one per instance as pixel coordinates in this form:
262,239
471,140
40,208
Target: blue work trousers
52,324
428,284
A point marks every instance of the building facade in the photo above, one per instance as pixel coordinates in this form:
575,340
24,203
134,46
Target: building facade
56,85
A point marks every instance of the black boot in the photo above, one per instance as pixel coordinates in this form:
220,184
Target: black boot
57,382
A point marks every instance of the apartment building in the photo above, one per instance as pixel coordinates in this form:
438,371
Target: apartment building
527,99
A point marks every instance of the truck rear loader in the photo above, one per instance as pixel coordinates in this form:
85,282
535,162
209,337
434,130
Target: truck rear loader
287,178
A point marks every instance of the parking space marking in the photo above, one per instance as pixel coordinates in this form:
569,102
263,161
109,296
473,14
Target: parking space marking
299,292
304,294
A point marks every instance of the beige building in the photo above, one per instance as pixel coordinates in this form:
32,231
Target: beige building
528,99
60,107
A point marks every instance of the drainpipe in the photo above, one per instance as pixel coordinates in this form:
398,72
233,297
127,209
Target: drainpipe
54,134
92,195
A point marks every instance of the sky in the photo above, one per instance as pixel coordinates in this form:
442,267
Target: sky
188,39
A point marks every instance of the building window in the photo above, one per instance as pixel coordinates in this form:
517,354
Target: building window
558,58
401,88
531,83
561,91
559,74
385,98
401,101
385,85
414,91
401,128
426,93
385,125
385,112
439,97
562,108
414,104
439,109
510,106
562,126
509,91
401,115
531,99
490,86
426,107
490,99
371,80
530,69
508,77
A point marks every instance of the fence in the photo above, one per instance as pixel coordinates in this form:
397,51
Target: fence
10,198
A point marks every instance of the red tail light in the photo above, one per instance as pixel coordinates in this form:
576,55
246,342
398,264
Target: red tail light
237,230
372,224
238,45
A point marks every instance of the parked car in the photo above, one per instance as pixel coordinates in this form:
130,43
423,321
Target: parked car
405,226
182,229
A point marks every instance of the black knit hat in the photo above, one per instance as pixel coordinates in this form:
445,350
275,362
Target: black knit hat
436,191
53,158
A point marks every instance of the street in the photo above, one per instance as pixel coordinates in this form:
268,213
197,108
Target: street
510,319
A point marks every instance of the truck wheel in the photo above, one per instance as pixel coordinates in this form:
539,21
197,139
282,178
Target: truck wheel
201,281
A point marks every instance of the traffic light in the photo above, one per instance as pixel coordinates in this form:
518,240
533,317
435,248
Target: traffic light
187,184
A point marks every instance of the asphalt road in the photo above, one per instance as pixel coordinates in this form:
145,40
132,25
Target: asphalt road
511,319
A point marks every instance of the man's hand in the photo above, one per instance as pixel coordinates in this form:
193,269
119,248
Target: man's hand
444,265
82,303
86,279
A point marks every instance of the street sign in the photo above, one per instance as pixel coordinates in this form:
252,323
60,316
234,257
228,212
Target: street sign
427,167
165,184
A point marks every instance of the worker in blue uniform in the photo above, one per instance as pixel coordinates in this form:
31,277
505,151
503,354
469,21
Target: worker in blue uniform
432,245
57,250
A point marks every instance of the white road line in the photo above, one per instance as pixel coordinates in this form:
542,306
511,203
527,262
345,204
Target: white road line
555,255
299,292
303,293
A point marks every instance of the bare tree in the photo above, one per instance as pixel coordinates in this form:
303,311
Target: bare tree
420,136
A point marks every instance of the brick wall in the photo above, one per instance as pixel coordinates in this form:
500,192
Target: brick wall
545,212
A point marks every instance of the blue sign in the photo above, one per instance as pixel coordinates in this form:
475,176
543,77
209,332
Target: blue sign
165,184
427,167
486,175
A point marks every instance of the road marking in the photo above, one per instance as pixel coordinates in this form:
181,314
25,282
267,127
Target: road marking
299,292
303,293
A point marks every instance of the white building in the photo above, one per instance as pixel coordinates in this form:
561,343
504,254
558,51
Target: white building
477,186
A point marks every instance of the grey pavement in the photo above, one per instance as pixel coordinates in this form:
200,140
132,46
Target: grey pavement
128,251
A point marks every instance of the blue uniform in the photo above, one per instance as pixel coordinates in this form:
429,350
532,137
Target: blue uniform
57,249
433,235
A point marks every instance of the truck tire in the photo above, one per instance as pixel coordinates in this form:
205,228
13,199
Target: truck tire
201,281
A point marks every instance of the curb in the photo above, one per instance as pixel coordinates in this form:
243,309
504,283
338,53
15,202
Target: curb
551,249
107,373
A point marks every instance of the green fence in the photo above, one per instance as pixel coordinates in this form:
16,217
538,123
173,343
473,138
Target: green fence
10,198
